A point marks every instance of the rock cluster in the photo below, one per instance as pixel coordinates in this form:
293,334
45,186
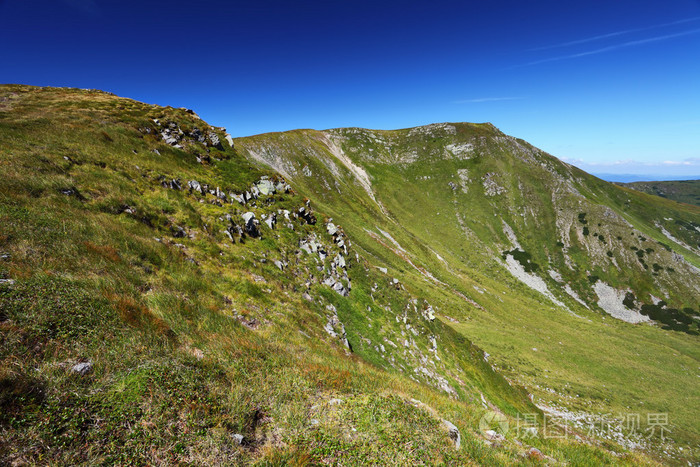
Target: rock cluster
172,134
264,187
335,328
335,274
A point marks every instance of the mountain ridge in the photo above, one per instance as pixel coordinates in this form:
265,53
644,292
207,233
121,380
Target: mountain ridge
217,266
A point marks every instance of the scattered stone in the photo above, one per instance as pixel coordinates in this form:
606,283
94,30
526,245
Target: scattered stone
266,187
307,297
72,192
271,220
214,138
82,369
455,436
178,232
536,454
332,229
194,185
307,215
7,281
493,436
251,224
238,438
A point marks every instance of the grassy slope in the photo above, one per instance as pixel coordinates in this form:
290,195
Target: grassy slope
166,322
684,191
592,362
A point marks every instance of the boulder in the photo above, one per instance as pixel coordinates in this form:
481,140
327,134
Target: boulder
338,287
307,215
83,368
266,187
535,454
455,436
195,186
251,224
214,138
178,232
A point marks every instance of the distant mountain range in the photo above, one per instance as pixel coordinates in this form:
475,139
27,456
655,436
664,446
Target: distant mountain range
684,191
627,178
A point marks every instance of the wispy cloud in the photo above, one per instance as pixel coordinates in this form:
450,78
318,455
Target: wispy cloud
486,99
610,48
616,34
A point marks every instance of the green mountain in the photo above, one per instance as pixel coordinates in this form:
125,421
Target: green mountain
445,294
683,191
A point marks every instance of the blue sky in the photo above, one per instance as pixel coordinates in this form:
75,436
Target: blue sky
609,86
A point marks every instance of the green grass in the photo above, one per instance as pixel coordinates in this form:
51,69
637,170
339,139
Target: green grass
683,191
598,356
194,339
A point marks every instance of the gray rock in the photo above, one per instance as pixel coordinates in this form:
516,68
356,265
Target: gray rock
338,287
82,369
266,187
454,433
332,229
194,186
251,224
534,453
238,438
7,281
178,232
214,138
493,436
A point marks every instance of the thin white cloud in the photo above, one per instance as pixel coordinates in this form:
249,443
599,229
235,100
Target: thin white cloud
487,99
615,34
616,47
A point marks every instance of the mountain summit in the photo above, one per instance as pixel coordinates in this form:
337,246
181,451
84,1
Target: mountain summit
439,294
